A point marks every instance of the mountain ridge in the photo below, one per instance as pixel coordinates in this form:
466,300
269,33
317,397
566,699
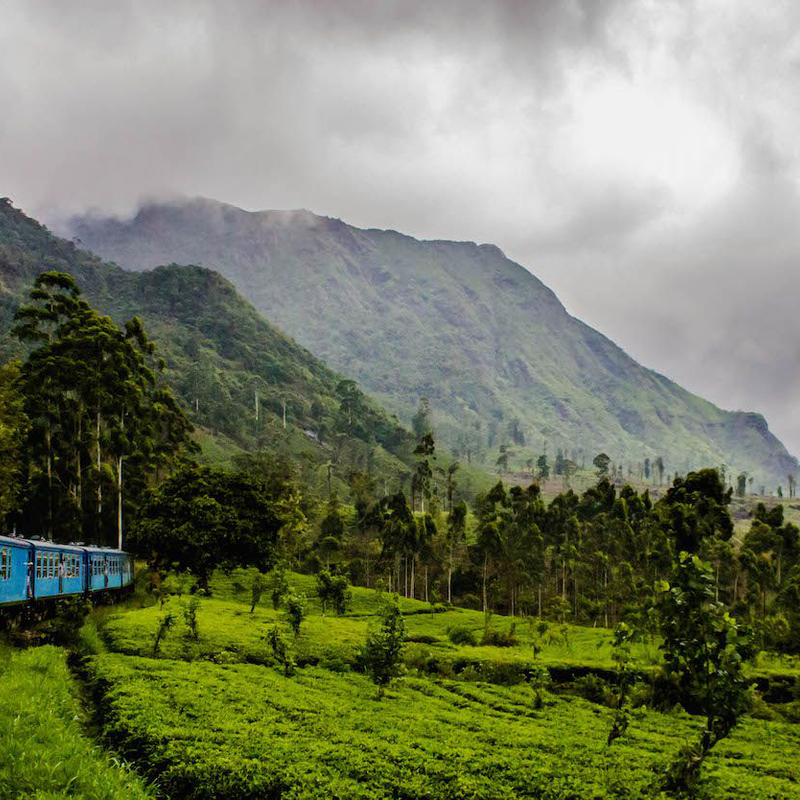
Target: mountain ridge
495,350
219,351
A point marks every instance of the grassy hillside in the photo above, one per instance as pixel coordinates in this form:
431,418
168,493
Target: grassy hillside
215,717
221,356
491,346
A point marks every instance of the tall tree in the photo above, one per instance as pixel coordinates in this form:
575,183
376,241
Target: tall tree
13,432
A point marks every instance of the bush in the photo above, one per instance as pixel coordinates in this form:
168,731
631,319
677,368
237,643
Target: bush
462,635
382,653
494,638
592,688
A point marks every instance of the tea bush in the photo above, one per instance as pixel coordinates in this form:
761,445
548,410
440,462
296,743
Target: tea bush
244,730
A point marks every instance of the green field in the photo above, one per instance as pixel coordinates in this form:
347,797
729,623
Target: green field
230,633
219,731
217,719
44,750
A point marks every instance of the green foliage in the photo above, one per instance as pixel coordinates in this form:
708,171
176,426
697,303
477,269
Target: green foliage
333,592
704,652
95,399
46,753
165,625
13,434
625,677
200,519
382,654
279,586
540,680
257,589
296,611
281,651
461,635
322,734
495,638
190,617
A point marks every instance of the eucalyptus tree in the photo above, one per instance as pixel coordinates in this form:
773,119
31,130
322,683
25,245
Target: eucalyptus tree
13,432
421,479
95,399
454,539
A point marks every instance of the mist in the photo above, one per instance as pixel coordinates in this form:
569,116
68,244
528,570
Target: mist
642,159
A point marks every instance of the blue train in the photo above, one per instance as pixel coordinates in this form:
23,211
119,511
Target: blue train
36,569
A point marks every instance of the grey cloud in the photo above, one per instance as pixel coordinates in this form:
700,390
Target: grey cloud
457,119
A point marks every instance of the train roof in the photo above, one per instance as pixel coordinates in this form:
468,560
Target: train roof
20,541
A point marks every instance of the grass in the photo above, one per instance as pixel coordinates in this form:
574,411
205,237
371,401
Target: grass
242,730
231,633
44,752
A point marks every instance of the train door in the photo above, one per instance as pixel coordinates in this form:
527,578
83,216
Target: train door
61,573
30,579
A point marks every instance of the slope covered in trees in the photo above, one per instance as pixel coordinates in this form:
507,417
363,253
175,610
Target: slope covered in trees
233,372
501,360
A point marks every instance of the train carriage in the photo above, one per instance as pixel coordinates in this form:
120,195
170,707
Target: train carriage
15,556
37,569
58,570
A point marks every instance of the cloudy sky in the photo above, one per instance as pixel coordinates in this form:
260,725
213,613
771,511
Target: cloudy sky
642,158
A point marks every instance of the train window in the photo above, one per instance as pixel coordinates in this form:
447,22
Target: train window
5,564
38,565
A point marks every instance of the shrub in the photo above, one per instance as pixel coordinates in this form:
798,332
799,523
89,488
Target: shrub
382,653
334,592
165,624
495,638
280,651
540,680
296,611
592,688
257,590
280,587
190,617
462,635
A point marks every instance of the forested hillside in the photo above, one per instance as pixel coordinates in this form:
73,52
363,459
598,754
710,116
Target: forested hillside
235,374
494,350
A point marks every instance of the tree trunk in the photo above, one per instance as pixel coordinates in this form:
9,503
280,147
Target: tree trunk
97,465
78,465
49,481
449,582
119,503
540,598
485,571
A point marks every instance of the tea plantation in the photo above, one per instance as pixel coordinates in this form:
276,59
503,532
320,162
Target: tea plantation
214,717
